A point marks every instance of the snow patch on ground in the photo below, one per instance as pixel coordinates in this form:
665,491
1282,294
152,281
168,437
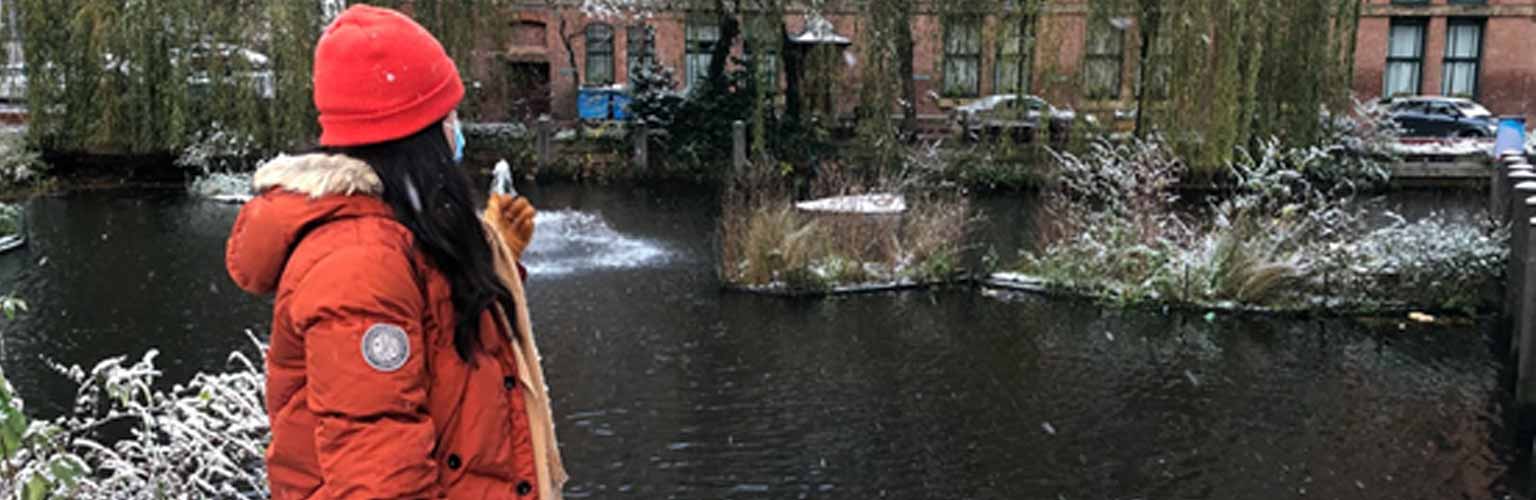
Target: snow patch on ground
1444,147
868,204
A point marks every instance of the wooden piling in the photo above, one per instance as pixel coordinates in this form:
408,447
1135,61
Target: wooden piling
642,138
1525,382
1499,186
739,146
1518,265
544,142
1512,177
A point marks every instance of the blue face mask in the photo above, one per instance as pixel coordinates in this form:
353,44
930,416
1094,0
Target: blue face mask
458,141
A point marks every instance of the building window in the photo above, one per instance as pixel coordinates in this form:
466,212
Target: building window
962,57
1463,55
764,59
701,38
1105,61
641,48
1405,57
760,49
1015,56
599,54
1159,71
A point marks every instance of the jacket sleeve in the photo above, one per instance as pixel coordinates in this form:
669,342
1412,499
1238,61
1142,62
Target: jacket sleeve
374,438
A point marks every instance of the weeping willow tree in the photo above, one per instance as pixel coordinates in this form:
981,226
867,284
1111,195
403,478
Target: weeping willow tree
127,77
1219,75
886,79
153,77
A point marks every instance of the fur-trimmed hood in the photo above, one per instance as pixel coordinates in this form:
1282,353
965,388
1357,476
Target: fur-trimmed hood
296,195
318,175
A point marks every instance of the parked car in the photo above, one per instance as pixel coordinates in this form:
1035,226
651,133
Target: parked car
1013,114
1430,116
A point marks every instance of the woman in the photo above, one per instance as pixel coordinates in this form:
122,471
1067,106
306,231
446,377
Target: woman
401,364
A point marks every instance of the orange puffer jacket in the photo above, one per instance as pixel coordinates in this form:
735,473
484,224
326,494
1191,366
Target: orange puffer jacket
366,394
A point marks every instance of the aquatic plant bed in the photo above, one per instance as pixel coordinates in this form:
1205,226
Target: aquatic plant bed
1314,307
842,245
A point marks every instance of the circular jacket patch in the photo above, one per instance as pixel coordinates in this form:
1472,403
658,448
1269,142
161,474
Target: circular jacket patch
386,347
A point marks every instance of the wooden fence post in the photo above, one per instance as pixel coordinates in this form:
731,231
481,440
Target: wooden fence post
739,146
545,142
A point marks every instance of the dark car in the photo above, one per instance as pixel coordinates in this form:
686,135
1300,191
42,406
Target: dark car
1017,115
1442,117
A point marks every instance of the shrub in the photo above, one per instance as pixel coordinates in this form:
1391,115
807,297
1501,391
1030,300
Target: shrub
10,219
20,165
205,439
219,149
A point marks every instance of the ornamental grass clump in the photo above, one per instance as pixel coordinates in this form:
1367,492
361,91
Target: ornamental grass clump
768,244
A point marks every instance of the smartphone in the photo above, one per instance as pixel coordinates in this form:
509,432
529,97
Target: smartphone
501,182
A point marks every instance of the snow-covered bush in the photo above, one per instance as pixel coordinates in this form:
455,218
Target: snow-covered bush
220,149
656,100
10,219
502,138
20,165
222,186
1287,236
1433,262
126,439
1124,179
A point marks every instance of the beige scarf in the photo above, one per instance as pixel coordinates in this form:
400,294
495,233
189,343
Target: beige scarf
541,424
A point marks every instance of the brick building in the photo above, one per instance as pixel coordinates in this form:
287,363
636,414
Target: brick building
1472,48
548,52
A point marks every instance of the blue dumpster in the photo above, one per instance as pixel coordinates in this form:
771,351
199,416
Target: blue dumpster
593,104
620,105
1511,138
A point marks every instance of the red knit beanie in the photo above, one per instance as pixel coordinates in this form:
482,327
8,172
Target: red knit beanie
379,76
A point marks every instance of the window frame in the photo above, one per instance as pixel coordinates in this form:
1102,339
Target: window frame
1476,60
697,46
952,59
638,48
1418,85
1115,57
596,49
769,47
1020,33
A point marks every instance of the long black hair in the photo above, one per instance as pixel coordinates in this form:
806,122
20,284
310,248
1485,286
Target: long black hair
431,198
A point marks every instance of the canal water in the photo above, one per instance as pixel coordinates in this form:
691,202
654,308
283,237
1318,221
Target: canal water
667,387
